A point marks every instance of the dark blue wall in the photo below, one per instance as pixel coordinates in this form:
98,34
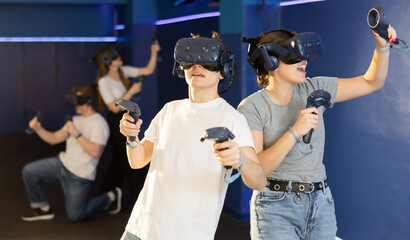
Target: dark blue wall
31,20
367,147
35,76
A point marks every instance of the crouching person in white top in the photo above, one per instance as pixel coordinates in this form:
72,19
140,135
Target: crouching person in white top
75,169
184,192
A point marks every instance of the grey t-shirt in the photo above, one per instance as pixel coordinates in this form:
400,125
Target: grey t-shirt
274,120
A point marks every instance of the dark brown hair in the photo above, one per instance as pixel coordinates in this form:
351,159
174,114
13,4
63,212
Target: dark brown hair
278,37
85,89
215,36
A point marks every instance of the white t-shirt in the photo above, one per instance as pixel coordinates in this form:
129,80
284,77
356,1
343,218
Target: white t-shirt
184,191
95,129
112,90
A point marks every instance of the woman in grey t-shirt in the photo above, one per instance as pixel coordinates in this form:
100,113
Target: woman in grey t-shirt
297,203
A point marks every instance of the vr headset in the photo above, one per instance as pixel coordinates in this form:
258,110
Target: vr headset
302,46
206,52
106,55
76,100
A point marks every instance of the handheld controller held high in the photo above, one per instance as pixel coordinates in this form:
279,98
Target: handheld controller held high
219,134
316,99
377,21
39,119
133,110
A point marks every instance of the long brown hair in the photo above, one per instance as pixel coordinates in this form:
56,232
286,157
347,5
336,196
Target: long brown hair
278,37
103,68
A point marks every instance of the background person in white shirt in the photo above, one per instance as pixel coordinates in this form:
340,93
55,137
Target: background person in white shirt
113,85
75,169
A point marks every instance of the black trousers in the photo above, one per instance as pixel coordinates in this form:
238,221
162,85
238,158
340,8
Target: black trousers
119,172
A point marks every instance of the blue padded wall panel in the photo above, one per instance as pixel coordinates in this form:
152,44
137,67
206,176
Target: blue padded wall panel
39,85
73,69
36,77
56,20
11,82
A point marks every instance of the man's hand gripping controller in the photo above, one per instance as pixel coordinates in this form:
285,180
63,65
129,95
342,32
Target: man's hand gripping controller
133,110
219,134
39,119
316,99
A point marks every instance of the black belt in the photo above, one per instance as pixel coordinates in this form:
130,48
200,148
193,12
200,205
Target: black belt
305,187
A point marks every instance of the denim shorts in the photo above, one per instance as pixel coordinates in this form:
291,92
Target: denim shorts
291,216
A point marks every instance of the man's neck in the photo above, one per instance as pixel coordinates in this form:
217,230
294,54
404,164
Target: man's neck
88,112
202,95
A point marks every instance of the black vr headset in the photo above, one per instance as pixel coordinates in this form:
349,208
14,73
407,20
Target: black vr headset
302,46
76,100
206,52
110,54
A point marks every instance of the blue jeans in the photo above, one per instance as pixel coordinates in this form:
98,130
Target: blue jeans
129,236
51,170
285,216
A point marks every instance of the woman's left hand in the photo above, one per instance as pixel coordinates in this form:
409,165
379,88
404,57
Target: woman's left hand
381,43
155,48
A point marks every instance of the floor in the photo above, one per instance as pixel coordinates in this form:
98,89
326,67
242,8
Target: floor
15,151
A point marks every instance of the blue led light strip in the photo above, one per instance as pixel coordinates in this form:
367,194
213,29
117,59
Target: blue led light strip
288,3
58,39
178,2
119,27
186,18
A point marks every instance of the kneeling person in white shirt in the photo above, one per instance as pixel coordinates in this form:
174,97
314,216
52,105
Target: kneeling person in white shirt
75,169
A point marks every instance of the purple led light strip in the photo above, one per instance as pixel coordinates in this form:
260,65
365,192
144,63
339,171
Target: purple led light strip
186,18
288,3
58,39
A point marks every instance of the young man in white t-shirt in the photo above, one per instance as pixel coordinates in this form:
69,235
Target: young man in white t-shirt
75,169
184,191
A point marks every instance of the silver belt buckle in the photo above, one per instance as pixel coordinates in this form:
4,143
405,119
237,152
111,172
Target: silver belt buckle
302,187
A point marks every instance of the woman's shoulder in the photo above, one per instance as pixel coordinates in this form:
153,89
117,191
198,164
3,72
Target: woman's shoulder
253,98
316,83
104,80
129,71
315,80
